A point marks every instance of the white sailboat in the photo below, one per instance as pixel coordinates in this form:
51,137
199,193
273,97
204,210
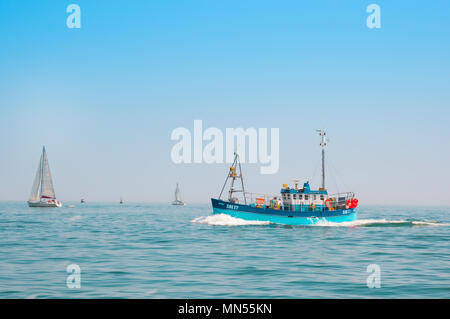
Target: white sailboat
43,194
178,200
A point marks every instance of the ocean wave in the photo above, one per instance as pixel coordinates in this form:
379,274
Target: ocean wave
380,223
226,220
75,218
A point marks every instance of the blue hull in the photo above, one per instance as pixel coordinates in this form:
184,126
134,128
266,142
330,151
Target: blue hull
247,212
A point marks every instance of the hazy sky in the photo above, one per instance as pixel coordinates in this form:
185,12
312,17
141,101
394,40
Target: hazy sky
105,98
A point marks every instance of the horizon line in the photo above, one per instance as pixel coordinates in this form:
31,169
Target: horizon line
207,202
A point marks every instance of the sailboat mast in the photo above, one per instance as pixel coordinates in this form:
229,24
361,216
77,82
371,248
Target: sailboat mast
323,143
177,193
42,172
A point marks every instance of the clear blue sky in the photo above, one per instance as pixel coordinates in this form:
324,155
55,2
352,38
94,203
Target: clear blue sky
105,98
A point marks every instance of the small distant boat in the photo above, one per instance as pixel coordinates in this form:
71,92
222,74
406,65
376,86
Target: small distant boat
82,201
121,201
178,200
43,193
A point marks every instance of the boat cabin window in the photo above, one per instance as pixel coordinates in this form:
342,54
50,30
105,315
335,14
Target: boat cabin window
300,196
295,196
322,197
306,197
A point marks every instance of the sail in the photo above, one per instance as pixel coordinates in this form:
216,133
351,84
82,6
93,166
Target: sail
177,194
47,190
36,190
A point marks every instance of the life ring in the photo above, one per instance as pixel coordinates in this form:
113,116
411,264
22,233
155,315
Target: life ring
328,203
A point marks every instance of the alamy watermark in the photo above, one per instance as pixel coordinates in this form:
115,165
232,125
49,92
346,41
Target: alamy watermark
374,279
374,19
73,281
190,148
74,18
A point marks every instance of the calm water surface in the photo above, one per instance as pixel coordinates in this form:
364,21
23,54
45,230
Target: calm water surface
162,251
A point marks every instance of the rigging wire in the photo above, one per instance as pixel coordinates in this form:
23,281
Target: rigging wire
333,177
315,171
338,175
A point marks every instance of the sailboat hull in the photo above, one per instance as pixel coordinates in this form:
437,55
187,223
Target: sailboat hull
44,204
178,203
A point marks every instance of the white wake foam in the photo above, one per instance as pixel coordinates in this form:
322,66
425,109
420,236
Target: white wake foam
226,220
75,218
380,222
429,223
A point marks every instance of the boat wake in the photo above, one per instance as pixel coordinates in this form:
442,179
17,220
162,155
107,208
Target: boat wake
226,220
75,218
380,223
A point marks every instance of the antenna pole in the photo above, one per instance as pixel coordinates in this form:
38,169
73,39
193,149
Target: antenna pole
323,143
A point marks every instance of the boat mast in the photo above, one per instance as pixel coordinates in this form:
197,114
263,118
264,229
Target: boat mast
322,133
177,194
234,175
42,172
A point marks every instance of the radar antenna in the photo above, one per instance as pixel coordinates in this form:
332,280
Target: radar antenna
323,143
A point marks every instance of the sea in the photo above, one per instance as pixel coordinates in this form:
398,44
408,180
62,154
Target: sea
141,250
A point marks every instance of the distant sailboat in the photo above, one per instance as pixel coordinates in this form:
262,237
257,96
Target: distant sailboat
178,200
82,201
43,194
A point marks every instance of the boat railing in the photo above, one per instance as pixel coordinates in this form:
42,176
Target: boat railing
342,196
339,200
251,197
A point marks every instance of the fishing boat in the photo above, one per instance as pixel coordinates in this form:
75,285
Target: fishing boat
293,206
82,201
121,201
43,193
178,200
